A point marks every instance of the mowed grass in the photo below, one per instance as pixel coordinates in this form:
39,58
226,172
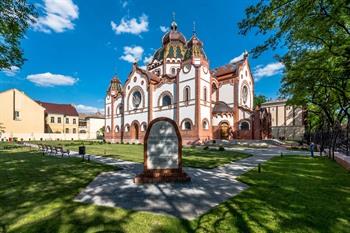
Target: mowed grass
191,157
292,194
37,192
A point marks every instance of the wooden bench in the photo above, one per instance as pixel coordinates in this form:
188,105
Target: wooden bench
62,151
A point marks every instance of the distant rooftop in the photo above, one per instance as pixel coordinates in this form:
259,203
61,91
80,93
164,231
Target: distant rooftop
65,109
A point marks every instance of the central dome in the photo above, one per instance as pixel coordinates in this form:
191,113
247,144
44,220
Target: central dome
173,35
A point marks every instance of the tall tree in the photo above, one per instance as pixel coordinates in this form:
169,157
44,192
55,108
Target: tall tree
15,18
259,99
316,34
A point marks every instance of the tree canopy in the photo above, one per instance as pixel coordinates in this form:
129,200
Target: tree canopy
316,37
15,18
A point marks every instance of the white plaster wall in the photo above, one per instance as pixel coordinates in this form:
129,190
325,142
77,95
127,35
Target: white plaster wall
169,66
187,112
170,87
133,84
205,113
140,117
217,119
170,113
243,78
243,114
226,94
184,76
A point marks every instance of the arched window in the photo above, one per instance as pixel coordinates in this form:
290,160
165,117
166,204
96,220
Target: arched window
187,94
173,71
108,111
136,99
166,100
187,125
108,129
205,94
205,124
244,126
127,128
120,109
116,129
143,127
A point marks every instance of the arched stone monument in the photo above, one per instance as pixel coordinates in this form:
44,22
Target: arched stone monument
162,153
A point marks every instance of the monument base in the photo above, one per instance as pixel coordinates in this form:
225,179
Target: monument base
161,175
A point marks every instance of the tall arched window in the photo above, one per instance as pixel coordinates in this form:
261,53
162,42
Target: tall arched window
187,94
173,71
244,126
205,94
187,125
108,111
166,100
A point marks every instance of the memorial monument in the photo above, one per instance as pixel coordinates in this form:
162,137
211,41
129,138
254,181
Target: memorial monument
162,153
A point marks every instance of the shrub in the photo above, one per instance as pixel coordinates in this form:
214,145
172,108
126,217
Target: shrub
221,148
133,143
139,143
206,148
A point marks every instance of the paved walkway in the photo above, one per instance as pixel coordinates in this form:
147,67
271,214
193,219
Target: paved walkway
208,187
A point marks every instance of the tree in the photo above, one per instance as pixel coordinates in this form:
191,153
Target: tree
259,99
317,62
15,18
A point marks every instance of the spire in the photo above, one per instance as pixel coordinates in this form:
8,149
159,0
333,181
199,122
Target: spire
173,23
194,28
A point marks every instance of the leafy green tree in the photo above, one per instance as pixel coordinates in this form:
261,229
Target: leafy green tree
316,36
259,99
15,18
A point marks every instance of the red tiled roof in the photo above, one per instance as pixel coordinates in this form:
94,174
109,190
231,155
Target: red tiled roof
65,109
225,69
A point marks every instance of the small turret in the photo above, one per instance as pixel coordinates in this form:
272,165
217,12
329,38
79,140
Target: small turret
115,87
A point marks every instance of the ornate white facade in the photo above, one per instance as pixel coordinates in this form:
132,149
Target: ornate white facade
179,84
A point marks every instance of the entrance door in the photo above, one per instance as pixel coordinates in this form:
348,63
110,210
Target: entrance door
135,131
224,130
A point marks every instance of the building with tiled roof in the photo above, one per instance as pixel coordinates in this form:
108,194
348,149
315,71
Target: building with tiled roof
60,118
179,84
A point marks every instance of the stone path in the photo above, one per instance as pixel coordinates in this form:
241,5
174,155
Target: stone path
208,187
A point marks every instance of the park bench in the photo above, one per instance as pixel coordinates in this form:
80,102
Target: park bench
62,151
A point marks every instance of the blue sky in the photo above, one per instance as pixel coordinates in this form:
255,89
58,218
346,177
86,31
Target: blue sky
78,45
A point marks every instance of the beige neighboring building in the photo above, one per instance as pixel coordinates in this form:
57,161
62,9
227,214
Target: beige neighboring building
60,118
20,114
91,124
287,122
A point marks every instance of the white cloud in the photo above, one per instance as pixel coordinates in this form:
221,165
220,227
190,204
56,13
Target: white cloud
12,71
124,3
58,16
50,80
268,70
163,28
236,59
132,54
132,25
148,59
87,109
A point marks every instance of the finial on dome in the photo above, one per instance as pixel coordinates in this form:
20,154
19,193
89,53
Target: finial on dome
173,23
194,28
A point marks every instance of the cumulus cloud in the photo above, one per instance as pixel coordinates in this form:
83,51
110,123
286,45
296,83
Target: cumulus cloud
132,54
81,108
147,60
49,80
163,28
271,69
132,25
12,71
58,16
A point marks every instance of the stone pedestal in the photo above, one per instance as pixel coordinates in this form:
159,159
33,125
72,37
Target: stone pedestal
162,153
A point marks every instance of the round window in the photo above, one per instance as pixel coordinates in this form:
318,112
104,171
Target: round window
136,99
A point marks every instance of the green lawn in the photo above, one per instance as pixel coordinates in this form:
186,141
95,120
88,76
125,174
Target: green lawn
292,194
191,157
